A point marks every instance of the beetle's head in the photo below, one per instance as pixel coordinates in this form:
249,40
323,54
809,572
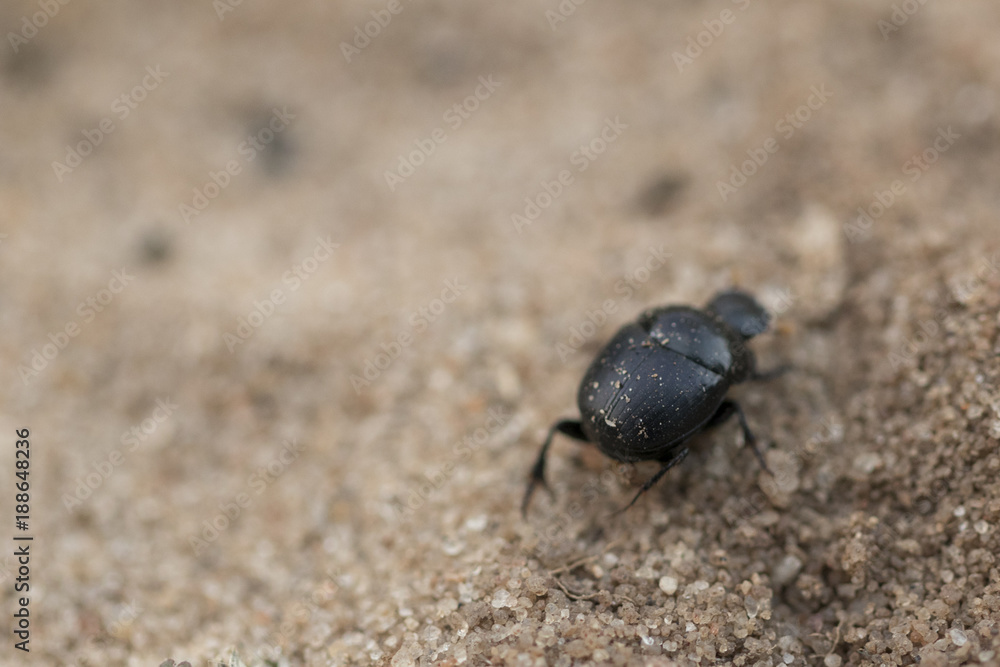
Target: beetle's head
741,312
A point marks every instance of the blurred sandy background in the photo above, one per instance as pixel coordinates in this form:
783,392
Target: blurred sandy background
209,484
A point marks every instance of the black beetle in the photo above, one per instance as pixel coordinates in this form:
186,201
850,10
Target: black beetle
661,380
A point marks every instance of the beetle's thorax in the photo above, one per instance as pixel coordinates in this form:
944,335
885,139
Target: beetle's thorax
702,337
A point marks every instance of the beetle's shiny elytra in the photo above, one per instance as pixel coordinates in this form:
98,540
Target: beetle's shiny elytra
660,380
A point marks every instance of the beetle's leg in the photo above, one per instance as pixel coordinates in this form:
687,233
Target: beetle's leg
677,458
569,427
726,410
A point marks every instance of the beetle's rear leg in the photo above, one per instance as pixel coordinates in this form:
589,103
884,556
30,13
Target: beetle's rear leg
726,410
677,458
568,427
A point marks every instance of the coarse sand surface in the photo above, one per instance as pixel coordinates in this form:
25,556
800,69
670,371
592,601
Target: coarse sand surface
290,294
